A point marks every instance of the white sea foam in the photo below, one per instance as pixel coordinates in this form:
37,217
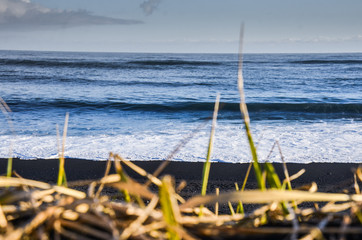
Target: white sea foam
300,143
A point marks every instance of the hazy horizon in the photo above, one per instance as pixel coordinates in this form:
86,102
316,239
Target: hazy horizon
65,51
164,26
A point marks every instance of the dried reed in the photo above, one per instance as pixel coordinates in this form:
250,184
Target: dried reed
36,210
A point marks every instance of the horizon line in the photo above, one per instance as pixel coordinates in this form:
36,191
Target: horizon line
154,52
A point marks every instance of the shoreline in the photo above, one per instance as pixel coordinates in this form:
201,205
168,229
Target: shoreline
328,176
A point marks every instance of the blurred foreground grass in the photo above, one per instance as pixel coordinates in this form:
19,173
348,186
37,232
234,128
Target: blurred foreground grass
37,210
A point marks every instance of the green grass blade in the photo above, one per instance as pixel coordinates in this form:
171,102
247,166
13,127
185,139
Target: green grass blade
207,164
9,169
245,114
232,212
246,176
359,216
168,205
271,176
62,180
240,207
6,110
274,182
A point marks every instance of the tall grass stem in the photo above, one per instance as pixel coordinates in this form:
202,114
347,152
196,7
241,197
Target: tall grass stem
62,181
207,164
245,114
6,111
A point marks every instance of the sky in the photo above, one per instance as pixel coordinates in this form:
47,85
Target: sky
181,26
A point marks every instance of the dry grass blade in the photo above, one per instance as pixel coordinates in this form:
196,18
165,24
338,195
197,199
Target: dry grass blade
359,173
113,178
206,212
217,203
181,186
31,225
215,220
246,176
286,173
16,182
139,170
3,220
39,219
152,227
108,168
70,192
334,208
137,223
297,175
134,188
14,235
131,210
267,196
356,186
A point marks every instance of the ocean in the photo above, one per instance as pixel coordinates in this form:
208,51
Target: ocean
142,105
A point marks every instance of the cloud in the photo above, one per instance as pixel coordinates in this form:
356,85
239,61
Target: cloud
316,39
22,14
149,6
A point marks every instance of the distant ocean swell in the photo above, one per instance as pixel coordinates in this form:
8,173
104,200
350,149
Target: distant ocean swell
319,61
104,64
45,81
137,64
348,108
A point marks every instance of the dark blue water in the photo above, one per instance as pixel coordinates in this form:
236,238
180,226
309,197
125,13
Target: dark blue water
142,105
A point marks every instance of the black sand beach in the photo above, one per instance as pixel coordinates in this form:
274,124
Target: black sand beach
330,177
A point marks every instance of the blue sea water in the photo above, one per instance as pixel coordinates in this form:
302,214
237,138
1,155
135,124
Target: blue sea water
143,105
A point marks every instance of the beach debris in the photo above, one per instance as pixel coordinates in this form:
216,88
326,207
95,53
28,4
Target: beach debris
37,210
